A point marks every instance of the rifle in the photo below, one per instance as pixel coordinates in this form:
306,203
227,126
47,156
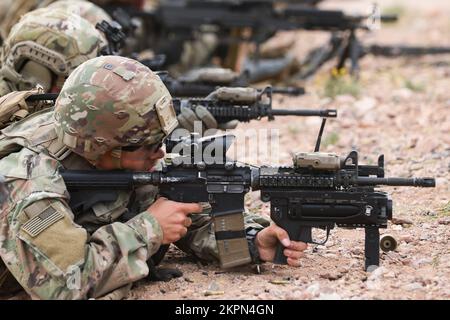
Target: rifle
242,104
184,88
318,191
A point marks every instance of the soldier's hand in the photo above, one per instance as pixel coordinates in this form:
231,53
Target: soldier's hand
173,217
188,118
267,240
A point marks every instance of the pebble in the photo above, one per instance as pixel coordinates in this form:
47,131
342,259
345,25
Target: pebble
413,286
330,276
329,296
401,221
313,289
444,221
298,295
377,274
406,238
421,262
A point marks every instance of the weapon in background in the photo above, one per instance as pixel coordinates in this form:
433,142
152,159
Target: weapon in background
173,22
245,104
184,88
242,104
318,191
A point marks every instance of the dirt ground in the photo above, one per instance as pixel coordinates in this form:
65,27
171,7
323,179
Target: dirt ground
402,111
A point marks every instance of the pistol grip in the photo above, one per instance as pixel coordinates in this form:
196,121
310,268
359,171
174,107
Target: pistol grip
302,234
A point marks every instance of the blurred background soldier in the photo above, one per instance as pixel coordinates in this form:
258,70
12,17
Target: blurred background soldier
42,50
14,10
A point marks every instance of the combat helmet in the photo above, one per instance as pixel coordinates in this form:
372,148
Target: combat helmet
85,9
45,46
112,102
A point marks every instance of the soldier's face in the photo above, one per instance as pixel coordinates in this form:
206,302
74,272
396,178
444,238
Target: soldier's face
142,159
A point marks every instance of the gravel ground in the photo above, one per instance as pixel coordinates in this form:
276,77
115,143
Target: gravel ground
402,111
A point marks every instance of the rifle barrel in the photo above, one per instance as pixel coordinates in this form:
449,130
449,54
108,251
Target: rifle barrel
293,91
413,182
327,113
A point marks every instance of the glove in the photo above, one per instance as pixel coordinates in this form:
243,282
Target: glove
187,118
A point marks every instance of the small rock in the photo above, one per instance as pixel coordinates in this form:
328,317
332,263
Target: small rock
397,227
213,293
424,237
331,276
313,289
205,273
298,295
444,221
429,213
372,268
329,296
421,262
213,286
413,286
406,238
188,279
162,291
376,274
280,281
401,221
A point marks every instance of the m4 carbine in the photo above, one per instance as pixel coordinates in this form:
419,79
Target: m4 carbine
318,191
242,104
245,104
185,88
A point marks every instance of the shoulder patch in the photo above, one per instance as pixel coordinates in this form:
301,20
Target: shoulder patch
42,221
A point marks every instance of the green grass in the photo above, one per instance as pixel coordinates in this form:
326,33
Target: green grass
330,139
293,130
341,83
398,10
414,86
445,210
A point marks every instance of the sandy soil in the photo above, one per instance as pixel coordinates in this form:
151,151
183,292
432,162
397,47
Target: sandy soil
402,111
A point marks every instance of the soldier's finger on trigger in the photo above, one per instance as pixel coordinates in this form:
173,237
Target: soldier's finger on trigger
187,222
188,208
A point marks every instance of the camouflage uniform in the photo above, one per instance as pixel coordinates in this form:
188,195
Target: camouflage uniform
108,101
44,45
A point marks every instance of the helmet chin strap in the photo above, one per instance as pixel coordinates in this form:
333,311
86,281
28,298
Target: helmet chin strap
116,157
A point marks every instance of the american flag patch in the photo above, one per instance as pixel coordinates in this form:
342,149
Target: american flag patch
42,221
